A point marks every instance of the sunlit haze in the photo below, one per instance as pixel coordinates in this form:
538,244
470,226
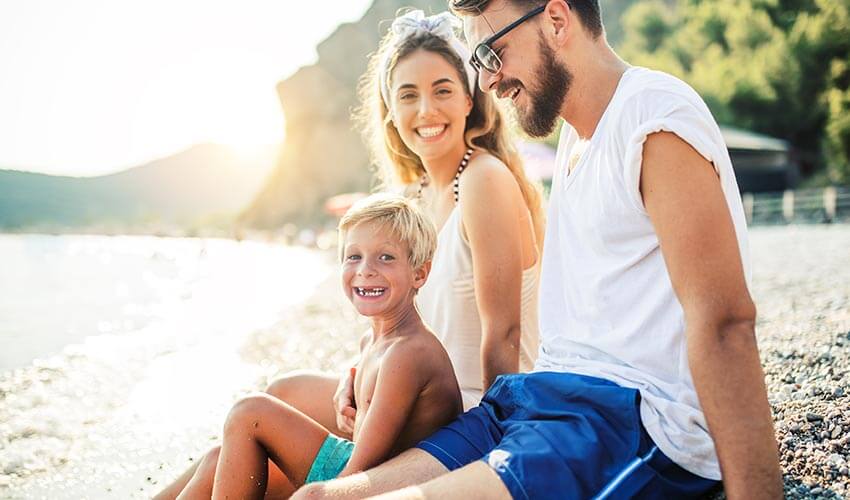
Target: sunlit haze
94,86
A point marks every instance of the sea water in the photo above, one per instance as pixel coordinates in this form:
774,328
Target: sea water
115,350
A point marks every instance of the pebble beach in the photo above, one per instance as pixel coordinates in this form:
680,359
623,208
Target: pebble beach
801,285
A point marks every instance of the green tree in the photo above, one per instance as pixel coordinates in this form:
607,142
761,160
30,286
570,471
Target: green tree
781,67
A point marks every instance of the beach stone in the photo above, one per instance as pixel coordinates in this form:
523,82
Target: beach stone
813,417
836,433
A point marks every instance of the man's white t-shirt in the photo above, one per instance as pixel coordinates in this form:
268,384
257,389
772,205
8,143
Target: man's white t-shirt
607,307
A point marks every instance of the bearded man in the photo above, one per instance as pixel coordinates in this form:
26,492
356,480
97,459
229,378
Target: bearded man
648,382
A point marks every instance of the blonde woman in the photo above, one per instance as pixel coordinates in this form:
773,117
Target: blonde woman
433,131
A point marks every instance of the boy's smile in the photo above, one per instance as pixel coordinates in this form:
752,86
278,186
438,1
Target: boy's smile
369,291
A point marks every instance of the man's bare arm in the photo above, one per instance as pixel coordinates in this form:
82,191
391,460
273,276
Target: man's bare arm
682,194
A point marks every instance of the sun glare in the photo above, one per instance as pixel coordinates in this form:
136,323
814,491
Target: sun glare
103,85
225,97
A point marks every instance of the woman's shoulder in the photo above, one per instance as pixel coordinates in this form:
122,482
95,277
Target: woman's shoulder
485,176
484,161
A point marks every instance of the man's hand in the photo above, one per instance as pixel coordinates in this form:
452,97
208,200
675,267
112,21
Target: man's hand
344,402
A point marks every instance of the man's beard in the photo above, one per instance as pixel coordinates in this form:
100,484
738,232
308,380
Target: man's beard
547,97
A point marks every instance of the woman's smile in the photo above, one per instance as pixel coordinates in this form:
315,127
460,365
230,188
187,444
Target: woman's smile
431,133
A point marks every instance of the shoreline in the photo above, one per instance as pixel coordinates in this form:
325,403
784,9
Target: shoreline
118,415
801,286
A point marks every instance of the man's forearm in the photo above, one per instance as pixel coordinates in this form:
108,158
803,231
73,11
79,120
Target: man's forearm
730,384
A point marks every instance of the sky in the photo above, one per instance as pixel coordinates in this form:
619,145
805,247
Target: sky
89,87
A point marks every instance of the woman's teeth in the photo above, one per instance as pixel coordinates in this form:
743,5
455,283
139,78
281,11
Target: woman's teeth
430,131
369,292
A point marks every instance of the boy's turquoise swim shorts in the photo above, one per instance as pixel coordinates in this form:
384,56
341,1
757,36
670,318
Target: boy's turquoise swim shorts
331,459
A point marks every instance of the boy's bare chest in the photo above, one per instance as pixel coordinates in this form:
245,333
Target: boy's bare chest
364,387
366,378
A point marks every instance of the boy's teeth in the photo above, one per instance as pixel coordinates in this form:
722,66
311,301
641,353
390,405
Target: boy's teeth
374,292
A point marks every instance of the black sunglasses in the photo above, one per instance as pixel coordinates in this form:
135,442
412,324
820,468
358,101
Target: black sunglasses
484,57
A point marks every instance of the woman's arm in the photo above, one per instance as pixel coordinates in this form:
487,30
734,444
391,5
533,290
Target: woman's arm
492,205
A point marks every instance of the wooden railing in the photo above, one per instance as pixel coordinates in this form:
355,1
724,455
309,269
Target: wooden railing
822,205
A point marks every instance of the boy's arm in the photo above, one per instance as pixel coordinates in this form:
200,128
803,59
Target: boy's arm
684,200
401,377
343,398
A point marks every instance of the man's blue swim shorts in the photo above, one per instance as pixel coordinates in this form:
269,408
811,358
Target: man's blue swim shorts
563,436
330,460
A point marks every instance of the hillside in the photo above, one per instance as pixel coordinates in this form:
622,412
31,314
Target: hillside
199,184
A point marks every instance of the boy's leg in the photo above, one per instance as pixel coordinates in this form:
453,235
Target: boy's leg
309,392
260,428
199,484
179,485
409,468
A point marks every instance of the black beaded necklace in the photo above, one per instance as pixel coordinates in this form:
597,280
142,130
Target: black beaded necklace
423,181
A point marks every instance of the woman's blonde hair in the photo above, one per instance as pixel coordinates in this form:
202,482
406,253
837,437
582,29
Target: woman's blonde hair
401,217
485,127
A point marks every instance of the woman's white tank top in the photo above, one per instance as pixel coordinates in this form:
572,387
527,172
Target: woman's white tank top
447,305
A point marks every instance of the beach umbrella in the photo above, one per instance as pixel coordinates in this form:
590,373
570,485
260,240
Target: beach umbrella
339,204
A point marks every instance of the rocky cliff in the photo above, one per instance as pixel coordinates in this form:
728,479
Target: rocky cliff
323,154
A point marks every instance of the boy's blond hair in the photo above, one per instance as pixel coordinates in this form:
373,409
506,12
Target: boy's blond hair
401,216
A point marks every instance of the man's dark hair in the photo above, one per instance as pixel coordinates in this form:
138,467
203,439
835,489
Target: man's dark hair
587,10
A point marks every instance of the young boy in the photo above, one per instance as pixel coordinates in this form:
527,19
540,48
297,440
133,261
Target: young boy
404,385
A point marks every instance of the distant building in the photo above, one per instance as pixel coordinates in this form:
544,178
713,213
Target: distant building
762,163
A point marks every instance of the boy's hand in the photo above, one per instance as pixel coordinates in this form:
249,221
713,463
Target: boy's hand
344,402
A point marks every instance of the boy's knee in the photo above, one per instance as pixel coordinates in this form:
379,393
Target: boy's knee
284,387
246,411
